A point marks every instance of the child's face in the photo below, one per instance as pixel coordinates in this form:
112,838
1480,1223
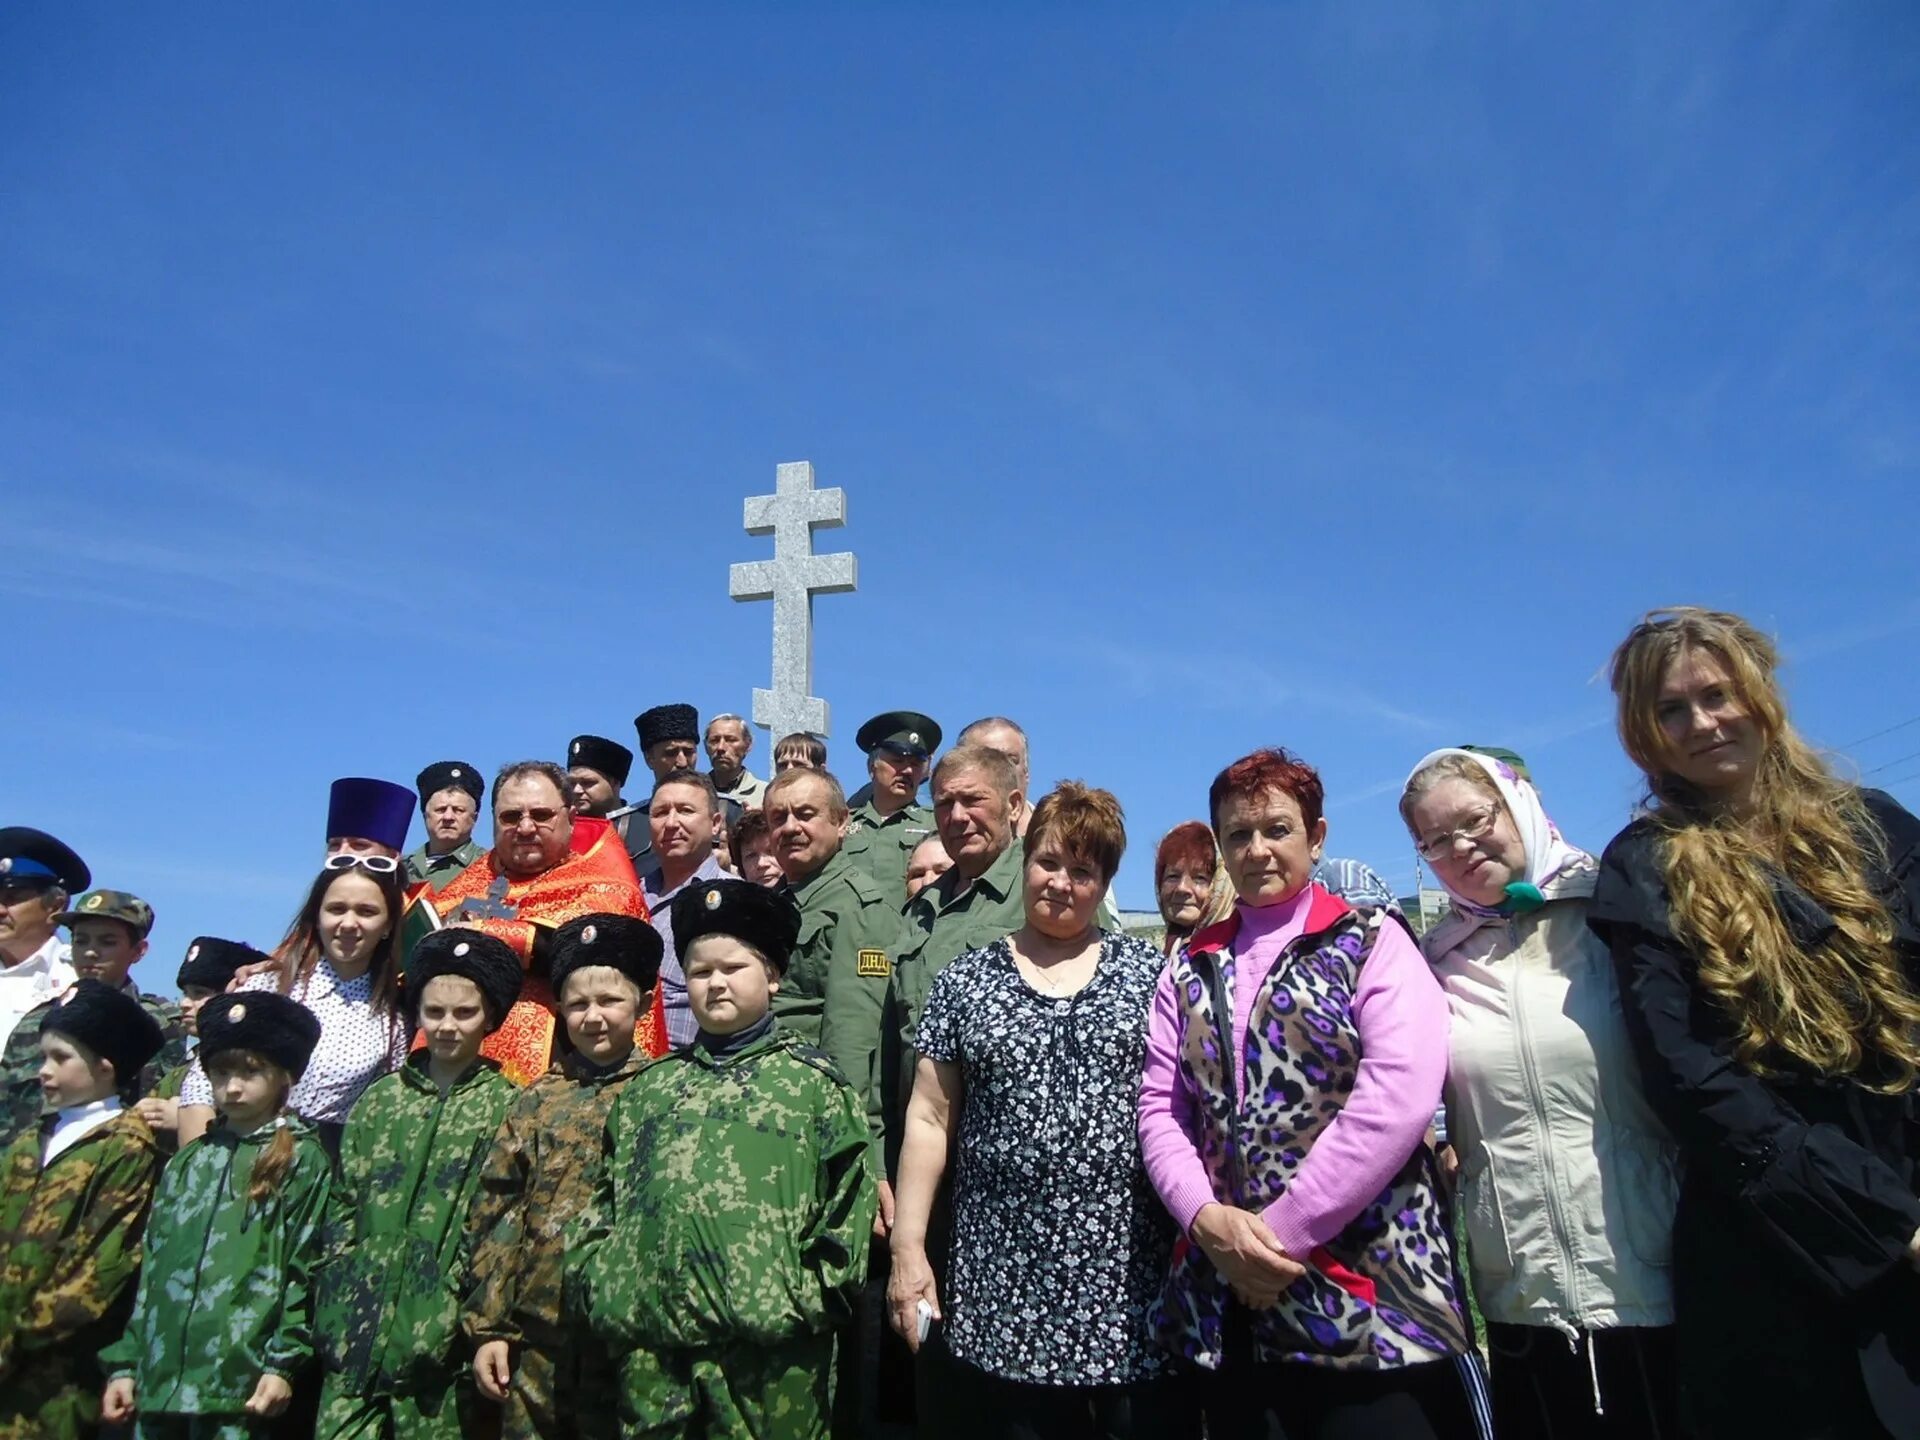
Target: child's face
71,1074
601,1006
192,997
105,950
248,1089
453,1015
729,986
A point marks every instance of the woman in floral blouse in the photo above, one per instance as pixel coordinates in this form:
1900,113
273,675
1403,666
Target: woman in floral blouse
1031,1049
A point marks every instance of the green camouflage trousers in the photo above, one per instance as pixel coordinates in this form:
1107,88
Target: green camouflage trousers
451,1414
767,1392
568,1397
51,1397
200,1427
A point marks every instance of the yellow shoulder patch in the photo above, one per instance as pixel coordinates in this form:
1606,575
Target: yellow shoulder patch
874,962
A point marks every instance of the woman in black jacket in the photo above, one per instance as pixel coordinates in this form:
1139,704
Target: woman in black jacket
1762,916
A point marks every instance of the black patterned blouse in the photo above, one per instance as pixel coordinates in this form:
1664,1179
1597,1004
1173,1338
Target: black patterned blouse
1059,1241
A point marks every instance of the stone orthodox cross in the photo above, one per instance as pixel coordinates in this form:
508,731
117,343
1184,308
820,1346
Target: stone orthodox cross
791,579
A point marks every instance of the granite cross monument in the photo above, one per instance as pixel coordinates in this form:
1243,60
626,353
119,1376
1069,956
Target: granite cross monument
791,579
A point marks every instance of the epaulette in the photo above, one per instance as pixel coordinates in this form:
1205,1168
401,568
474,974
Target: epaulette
623,812
865,887
814,1056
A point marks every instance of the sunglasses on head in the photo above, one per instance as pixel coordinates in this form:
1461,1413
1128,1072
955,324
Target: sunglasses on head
347,860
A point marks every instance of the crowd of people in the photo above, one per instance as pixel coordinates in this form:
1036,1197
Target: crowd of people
755,1108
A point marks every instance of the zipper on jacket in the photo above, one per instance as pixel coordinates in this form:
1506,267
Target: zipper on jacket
1230,1060
206,1241
1536,1105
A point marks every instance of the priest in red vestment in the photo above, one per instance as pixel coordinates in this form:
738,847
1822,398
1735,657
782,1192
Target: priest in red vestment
546,867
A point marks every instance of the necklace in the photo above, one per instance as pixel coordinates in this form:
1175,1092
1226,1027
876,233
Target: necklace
1072,979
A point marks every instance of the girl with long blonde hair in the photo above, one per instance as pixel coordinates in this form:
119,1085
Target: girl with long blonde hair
1761,914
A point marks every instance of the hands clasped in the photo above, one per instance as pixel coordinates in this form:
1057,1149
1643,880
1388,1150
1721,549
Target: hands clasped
1244,1250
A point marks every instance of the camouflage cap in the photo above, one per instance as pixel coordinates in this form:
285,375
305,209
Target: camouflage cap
111,905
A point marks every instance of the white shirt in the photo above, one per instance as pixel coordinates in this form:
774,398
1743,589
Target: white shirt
73,1123
356,1046
42,976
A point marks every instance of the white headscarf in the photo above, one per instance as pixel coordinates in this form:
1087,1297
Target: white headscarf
1547,853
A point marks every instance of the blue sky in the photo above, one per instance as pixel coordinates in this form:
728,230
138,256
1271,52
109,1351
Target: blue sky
382,384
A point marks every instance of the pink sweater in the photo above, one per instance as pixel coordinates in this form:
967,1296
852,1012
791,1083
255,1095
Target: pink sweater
1401,1016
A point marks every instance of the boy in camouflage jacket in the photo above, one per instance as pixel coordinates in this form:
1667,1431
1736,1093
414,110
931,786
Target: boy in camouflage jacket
730,1229
541,1174
73,1201
410,1157
221,1328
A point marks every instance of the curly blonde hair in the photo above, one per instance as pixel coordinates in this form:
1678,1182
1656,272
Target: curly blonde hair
1843,1007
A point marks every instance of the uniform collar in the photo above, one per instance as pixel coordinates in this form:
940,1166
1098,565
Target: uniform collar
836,862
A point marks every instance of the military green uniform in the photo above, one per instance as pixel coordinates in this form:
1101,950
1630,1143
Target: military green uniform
388,1317
436,872
943,923
538,1177
729,1240
835,987
881,847
69,1258
20,1100
226,1289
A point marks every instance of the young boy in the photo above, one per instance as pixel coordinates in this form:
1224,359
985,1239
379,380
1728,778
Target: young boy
731,1223
73,1202
109,930
538,1178
387,1322
208,969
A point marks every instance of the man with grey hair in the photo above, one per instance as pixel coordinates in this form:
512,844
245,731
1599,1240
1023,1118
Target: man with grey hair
37,874
997,732
728,742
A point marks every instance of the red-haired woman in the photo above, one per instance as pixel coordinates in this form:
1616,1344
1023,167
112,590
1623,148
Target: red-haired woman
1192,889
1295,1056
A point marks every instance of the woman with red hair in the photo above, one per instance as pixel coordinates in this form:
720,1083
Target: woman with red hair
1191,888
1295,1055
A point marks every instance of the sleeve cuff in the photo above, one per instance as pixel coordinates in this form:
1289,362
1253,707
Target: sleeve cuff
1289,1227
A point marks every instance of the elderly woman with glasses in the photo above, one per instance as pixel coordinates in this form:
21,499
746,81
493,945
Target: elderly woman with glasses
341,959
1568,1180
1295,1054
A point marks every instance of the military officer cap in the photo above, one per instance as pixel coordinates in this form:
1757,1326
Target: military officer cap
667,722
359,808
129,910
270,1025
109,1022
473,955
448,775
34,857
596,752
1509,758
768,920
905,731
212,963
619,942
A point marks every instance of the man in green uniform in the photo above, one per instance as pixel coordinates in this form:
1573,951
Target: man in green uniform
730,1229
450,796
109,929
540,1175
387,1319
891,821
73,1204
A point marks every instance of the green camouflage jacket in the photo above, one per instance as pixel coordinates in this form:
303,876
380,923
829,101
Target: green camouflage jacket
226,1291
70,1239
736,1204
880,848
389,1310
836,983
943,922
20,1103
539,1176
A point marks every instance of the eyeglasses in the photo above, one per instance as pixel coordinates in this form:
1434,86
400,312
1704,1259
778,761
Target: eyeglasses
349,860
1478,824
541,815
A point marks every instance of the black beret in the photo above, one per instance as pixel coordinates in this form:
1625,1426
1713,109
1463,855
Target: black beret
768,920
474,955
449,775
36,857
269,1024
213,962
667,722
596,752
109,1022
905,729
619,941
